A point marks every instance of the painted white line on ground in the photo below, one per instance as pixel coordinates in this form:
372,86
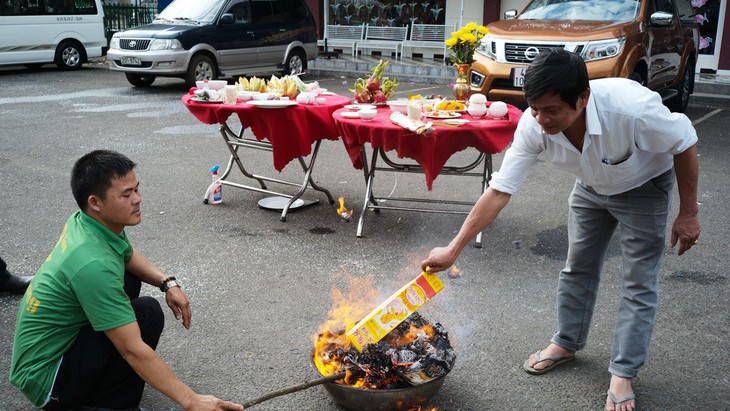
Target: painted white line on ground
706,116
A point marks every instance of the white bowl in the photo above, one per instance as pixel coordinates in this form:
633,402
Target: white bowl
400,106
244,95
212,84
263,96
367,114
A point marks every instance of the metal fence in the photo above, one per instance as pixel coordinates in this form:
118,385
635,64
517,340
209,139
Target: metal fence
119,16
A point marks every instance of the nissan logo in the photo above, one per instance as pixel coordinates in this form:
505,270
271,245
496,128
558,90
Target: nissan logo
133,44
531,53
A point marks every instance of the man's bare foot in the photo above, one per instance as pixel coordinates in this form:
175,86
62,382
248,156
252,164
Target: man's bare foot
620,387
551,350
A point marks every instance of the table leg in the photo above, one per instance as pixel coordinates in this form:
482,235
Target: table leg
307,181
486,175
235,141
366,172
224,130
368,191
311,180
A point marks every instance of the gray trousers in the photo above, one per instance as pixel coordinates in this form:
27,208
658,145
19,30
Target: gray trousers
641,215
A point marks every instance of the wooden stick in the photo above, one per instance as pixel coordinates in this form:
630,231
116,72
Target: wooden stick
295,388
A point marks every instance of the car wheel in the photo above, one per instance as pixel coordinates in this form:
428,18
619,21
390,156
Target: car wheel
296,63
201,67
679,102
69,55
139,80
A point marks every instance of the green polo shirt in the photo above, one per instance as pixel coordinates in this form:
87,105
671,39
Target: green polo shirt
80,283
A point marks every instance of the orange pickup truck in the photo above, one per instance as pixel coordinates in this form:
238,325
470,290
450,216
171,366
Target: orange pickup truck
654,42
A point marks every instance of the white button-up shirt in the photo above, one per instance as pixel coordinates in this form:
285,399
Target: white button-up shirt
631,138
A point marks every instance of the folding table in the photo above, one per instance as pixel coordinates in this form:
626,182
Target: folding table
287,132
430,151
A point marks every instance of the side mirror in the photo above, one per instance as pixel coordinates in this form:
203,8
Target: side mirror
510,14
226,18
661,18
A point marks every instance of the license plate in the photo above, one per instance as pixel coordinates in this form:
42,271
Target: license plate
131,61
518,76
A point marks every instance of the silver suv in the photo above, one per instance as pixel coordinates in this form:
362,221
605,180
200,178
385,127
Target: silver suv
207,39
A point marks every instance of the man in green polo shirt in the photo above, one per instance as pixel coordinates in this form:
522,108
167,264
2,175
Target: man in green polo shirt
84,337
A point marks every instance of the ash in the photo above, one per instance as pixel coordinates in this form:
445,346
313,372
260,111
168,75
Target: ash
399,360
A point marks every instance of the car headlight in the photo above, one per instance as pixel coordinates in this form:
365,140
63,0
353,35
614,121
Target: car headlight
114,42
597,50
165,44
487,47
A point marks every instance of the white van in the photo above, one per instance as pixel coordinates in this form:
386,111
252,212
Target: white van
65,32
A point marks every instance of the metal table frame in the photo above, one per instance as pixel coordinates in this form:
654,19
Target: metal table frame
234,141
372,202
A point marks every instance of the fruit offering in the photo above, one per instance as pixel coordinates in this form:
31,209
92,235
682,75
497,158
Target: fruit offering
450,105
287,86
376,89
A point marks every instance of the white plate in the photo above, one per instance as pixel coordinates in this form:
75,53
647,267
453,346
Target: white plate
350,114
356,107
278,203
456,121
454,115
205,101
272,103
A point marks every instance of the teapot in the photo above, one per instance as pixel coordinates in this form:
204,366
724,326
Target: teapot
477,105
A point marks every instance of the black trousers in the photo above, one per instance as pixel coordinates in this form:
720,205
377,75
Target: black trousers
4,274
92,373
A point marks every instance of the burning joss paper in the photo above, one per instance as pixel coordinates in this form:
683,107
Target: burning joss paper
395,309
415,352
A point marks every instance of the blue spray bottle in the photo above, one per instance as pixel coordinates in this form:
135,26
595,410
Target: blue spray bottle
215,191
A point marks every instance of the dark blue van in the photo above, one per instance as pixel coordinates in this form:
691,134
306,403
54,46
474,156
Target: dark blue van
207,39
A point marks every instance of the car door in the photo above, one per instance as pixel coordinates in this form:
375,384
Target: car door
236,42
273,34
665,47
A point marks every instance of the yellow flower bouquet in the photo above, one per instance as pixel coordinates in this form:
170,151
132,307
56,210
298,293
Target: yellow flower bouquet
464,42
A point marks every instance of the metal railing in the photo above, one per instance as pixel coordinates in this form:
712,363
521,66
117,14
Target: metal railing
118,17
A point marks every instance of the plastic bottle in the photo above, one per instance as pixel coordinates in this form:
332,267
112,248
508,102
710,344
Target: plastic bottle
216,191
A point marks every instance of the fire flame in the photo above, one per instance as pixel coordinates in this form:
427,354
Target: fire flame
331,344
454,272
346,311
342,211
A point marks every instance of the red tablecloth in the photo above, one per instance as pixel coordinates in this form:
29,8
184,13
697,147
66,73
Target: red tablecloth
430,151
291,130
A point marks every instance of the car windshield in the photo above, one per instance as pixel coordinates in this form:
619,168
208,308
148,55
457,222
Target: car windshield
195,11
594,10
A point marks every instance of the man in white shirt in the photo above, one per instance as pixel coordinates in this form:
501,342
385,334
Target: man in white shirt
624,147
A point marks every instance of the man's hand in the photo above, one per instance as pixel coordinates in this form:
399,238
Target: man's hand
439,259
686,230
211,403
179,304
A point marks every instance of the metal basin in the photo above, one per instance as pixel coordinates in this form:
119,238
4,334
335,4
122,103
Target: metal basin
401,399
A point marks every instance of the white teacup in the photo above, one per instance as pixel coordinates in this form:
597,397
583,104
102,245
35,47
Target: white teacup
367,114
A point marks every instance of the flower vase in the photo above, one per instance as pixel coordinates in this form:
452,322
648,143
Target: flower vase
461,87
